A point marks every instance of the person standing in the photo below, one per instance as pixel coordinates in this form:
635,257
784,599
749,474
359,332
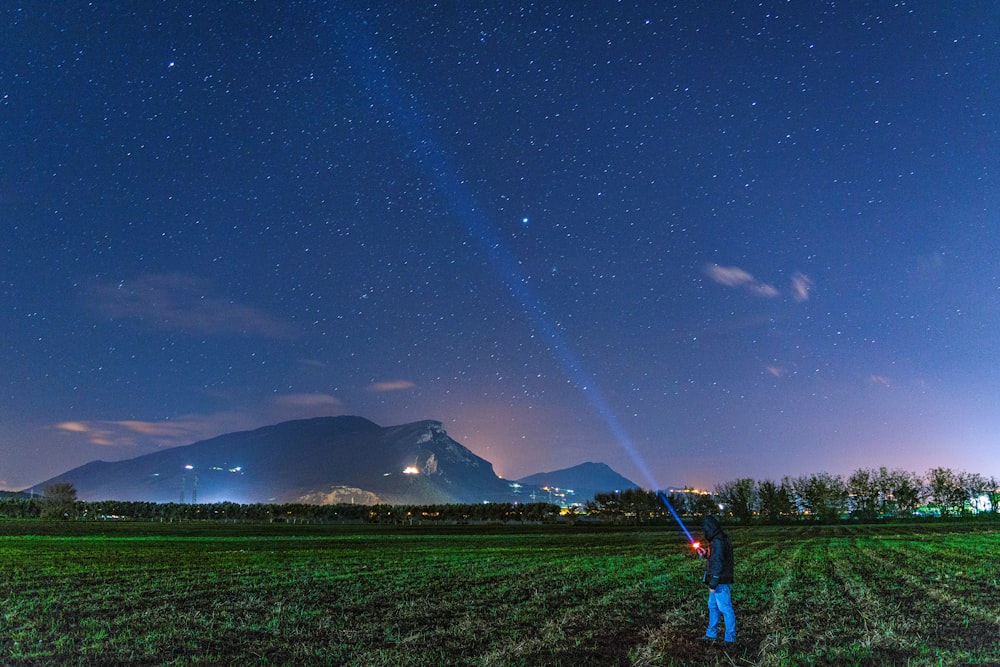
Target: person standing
719,579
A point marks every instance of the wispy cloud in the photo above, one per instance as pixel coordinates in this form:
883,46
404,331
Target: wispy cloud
393,385
881,380
145,435
96,433
764,290
730,276
184,303
307,401
734,276
802,285
132,433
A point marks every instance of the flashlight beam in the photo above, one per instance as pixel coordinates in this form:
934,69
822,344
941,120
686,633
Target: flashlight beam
663,499
389,98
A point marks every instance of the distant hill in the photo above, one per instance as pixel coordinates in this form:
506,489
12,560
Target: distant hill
326,460
583,480
322,460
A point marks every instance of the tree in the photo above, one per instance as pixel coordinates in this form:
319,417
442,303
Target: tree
59,501
946,490
739,497
994,495
977,490
821,495
632,506
607,504
703,504
864,497
775,501
19,508
901,491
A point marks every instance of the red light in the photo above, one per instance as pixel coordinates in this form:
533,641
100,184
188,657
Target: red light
695,545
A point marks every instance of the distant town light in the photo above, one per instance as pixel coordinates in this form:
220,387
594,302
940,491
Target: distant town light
189,467
410,470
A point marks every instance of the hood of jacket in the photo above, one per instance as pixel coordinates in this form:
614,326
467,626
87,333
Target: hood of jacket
710,526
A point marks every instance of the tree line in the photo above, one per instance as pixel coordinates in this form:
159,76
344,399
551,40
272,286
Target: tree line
864,495
59,502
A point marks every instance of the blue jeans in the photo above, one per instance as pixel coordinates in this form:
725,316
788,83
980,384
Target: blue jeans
721,602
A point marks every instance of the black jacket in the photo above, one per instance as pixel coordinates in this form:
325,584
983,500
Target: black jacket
719,560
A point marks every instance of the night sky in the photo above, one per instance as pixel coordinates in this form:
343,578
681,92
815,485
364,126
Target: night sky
694,242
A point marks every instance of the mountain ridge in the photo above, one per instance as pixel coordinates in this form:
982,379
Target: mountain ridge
323,460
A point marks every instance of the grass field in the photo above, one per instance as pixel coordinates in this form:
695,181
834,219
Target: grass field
306,595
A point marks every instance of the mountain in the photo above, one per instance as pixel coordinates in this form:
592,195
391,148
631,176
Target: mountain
583,481
319,461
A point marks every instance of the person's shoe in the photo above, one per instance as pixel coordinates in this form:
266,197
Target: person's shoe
709,640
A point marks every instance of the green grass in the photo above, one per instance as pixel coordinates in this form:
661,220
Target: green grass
195,594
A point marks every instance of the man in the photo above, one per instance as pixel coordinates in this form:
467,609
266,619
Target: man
719,578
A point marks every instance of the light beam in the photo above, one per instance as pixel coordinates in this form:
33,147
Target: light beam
424,150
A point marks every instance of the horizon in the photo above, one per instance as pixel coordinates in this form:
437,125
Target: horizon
922,476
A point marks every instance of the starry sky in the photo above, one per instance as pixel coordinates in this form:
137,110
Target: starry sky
696,242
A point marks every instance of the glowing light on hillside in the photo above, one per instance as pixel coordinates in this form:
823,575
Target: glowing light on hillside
410,470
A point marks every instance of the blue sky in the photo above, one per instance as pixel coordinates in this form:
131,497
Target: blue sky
695,243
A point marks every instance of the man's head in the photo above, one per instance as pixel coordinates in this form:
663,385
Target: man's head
710,526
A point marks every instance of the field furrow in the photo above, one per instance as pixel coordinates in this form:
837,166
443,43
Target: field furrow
857,595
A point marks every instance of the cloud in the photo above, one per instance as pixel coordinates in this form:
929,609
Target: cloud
730,276
184,303
764,290
186,429
135,433
734,276
394,385
97,433
801,286
881,380
307,401
170,430
73,427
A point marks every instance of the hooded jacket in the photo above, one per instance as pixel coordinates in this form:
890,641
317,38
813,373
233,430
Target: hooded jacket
719,560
